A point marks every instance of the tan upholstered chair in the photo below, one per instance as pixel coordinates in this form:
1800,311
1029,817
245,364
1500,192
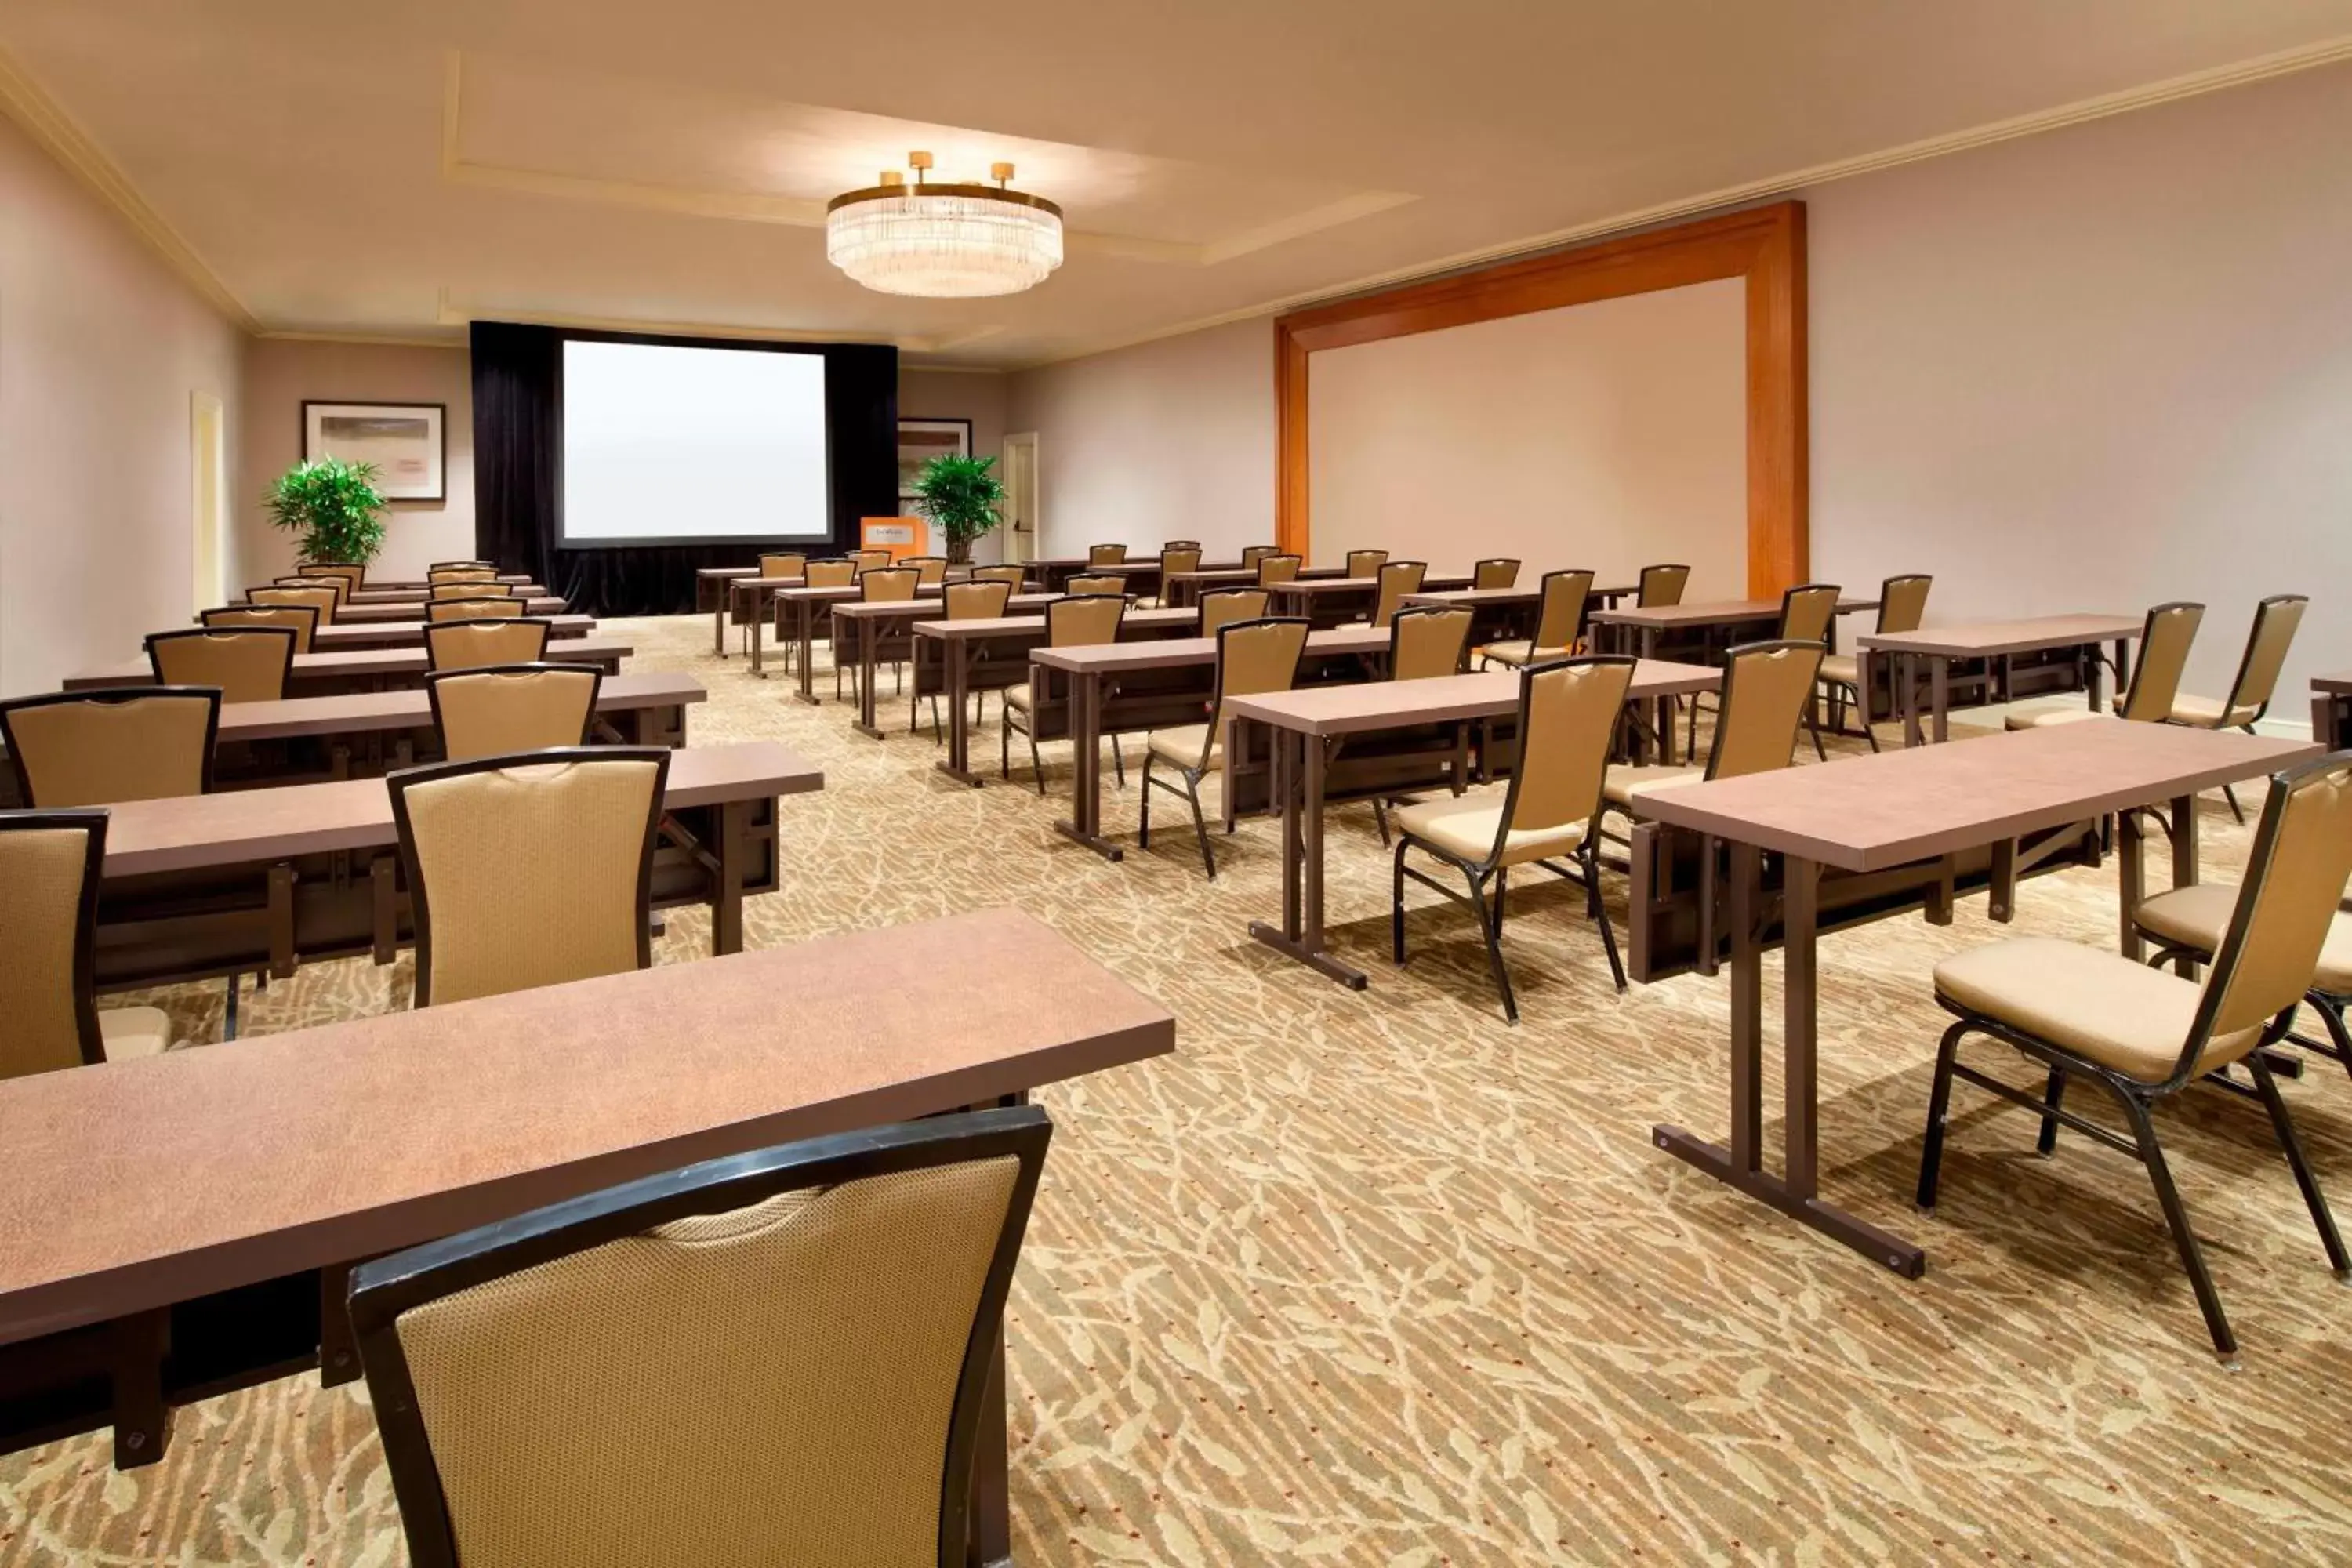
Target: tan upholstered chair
530,870
50,862
1808,613
931,571
790,566
1274,569
1012,573
881,586
1498,572
440,575
1427,641
1902,606
1397,578
2188,926
1559,623
490,566
1107,583
2164,643
1254,553
248,664
777,1358
353,573
1661,586
339,586
1221,607
475,644
1766,688
2144,1034
300,619
2276,619
1546,812
470,589
473,608
322,600
1175,559
499,709
889,585
864,560
1168,544
979,600
1075,620
101,748
1365,563
830,574
1105,554
1252,657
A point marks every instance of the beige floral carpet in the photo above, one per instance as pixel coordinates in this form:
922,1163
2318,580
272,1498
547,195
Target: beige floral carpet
1373,1278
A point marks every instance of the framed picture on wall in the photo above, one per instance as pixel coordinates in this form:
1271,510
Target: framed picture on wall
407,442
920,440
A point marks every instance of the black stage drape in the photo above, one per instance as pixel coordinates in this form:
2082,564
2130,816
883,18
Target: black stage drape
518,433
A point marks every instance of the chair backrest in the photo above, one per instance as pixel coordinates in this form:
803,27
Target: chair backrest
1083,620
1082,583
339,586
475,609
1902,603
889,585
1568,712
1012,573
471,588
864,560
472,645
829,573
1273,569
440,574
1397,578
1366,562
1807,610
249,664
2164,646
1560,618
1662,585
494,710
1178,558
1223,606
50,862
322,600
1168,544
475,565
820,1318
1105,554
353,573
931,571
977,601
1498,572
2286,905
1263,655
97,748
782,565
1766,686
2277,620
1428,640
1254,553
300,619
530,870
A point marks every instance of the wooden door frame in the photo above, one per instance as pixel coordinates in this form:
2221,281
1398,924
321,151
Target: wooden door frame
1765,246
1036,495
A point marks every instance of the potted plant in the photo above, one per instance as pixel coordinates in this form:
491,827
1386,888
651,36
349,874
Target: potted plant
333,505
962,494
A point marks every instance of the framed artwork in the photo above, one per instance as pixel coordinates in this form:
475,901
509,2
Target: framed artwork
407,442
920,440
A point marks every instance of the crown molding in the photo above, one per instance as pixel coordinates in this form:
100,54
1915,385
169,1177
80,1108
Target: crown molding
416,340
456,313
2263,67
58,133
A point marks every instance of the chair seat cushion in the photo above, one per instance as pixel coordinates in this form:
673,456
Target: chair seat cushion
1842,669
2041,717
1017,697
1465,827
1622,785
2209,712
1183,746
2197,916
2108,1009
129,1032
1521,651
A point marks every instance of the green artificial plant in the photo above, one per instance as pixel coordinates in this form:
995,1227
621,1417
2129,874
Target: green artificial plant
963,496
333,505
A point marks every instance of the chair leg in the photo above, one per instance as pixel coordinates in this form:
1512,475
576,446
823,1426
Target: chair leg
2046,1144
1940,1105
1600,912
1118,763
2312,1198
1396,907
1813,728
1502,893
1200,824
1143,823
1005,743
2176,1215
1036,762
1862,710
1381,816
2331,1013
1486,928
228,1018
2236,810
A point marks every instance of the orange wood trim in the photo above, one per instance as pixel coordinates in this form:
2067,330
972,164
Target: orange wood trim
1765,246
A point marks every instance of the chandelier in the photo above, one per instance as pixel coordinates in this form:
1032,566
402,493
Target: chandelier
943,242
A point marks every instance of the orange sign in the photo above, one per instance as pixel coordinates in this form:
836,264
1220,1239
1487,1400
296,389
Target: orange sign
901,536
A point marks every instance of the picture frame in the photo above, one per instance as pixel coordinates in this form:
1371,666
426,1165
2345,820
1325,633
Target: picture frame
407,442
920,440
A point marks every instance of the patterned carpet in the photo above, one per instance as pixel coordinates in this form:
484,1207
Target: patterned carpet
1373,1278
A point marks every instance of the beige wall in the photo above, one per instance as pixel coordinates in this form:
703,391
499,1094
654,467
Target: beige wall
1166,440
959,395
280,374
1608,435
101,347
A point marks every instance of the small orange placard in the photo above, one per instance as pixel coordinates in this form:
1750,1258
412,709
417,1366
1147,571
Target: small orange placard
901,536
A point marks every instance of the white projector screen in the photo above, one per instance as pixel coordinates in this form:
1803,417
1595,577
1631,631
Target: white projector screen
668,444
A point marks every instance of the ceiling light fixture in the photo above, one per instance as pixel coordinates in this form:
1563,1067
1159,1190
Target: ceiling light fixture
943,242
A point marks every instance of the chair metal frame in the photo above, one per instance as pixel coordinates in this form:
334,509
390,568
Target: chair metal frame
949,592
1479,572
1813,704
1006,711
104,696
1642,591
1837,689
1192,776
285,669
2263,610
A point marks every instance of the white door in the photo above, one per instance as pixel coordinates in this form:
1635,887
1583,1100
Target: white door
1021,497
208,471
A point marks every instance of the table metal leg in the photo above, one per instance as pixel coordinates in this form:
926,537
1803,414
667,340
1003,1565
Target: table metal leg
1084,821
1939,695
1300,779
957,666
2131,883
868,639
759,625
1907,697
719,622
2184,841
807,643
727,897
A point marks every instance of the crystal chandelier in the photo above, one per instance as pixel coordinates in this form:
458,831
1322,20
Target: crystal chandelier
943,242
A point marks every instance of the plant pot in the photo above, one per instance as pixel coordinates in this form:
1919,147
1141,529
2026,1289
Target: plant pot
959,552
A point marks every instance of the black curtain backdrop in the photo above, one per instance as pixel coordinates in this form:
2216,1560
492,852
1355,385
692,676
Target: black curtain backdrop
518,440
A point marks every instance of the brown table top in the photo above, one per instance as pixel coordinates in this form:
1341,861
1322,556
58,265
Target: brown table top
370,611
352,662
1239,573
236,827
1167,653
1985,639
1867,813
1001,626
1432,582
2339,685
1401,704
359,711
726,571
401,584
1520,595
395,633
228,1164
883,609
1713,612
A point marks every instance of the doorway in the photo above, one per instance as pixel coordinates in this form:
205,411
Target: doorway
1021,497
208,475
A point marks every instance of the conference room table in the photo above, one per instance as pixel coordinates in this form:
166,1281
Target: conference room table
205,1242
1306,726
1864,838
1704,627
372,612
1501,615
1336,601
198,887
861,628
2331,711
1185,588
711,597
341,636
2018,658
362,669
410,585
